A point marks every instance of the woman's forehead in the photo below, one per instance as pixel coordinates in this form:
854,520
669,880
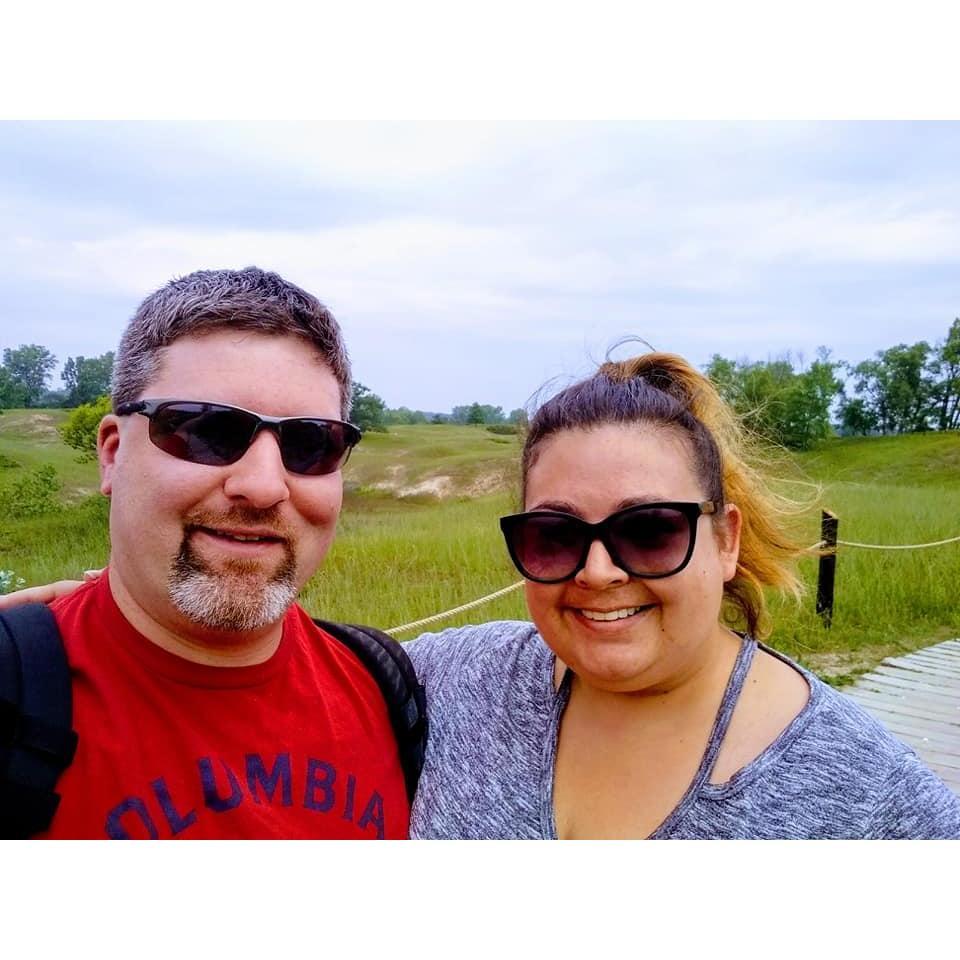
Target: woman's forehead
613,463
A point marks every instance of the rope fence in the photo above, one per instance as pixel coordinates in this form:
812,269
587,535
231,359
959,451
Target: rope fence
824,584
897,546
455,610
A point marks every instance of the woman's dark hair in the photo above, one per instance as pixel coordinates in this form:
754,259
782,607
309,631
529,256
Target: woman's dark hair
662,389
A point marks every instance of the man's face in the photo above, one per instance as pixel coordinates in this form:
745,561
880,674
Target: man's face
225,549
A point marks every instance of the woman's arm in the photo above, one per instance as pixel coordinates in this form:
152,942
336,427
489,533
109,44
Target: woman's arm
46,593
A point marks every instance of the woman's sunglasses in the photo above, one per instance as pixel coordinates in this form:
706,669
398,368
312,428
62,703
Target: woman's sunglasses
651,540
216,434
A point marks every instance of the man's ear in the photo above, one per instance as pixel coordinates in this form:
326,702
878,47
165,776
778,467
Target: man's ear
729,536
108,444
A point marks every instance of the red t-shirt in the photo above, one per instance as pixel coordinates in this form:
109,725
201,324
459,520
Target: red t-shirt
297,747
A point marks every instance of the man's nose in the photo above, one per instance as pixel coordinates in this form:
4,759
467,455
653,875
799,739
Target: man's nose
259,476
600,571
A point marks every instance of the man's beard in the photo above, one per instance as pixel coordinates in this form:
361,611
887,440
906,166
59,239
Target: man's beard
236,598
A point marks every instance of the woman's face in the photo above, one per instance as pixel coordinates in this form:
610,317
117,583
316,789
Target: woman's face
672,621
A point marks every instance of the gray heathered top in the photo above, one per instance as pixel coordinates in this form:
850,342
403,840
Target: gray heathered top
833,773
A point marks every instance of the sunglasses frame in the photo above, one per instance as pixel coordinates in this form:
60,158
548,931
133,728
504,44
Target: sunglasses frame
600,531
151,407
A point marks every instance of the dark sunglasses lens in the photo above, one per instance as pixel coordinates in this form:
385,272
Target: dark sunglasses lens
314,447
202,433
547,547
651,542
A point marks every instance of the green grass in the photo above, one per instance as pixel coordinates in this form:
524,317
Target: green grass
29,439
469,461
398,557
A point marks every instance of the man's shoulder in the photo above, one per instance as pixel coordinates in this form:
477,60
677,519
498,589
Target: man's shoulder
87,595
89,608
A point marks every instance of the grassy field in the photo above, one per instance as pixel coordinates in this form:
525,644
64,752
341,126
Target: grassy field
418,534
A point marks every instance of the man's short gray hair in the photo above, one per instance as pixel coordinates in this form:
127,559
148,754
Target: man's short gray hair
209,300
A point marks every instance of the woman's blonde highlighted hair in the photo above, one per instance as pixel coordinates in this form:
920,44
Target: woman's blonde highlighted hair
663,389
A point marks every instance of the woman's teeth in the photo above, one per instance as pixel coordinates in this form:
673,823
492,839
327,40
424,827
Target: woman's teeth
611,614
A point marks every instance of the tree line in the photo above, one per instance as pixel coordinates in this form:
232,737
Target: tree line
27,370
369,412
904,389
908,388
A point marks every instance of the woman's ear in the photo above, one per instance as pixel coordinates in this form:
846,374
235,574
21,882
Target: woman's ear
728,538
108,444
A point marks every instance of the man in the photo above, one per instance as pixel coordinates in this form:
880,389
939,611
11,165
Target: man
206,701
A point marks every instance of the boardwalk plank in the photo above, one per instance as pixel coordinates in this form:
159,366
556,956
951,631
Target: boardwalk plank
919,681
916,678
906,705
909,728
919,689
934,662
945,705
923,668
952,782
947,664
917,698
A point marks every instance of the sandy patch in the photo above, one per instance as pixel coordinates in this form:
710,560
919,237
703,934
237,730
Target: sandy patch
487,483
40,424
438,487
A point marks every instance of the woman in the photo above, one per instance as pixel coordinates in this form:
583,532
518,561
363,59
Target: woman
628,708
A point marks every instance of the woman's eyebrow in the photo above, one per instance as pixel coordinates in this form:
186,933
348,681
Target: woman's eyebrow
564,506
642,501
554,506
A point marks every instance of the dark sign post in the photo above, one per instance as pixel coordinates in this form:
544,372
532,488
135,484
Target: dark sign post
828,566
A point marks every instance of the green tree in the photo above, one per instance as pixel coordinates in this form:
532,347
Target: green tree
87,378
79,430
33,495
945,369
404,415
898,388
808,401
477,413
775,401
29,366
856,417
12,393
367,410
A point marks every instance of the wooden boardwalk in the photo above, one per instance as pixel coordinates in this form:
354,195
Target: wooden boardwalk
917,698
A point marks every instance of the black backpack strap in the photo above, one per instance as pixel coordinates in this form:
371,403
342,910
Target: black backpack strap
390,666
36,708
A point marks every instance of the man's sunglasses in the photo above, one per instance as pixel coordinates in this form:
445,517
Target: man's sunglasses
216,434
651,540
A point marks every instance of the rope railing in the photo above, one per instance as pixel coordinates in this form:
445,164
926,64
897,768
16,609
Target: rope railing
883,546
455,610
516,586
897,546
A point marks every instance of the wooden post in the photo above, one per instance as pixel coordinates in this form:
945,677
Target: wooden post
828,566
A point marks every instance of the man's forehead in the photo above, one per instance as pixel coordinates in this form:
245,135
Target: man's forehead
229,364
209,346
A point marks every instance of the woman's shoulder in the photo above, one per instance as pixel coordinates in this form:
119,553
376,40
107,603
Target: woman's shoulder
834,727
842,758
482,647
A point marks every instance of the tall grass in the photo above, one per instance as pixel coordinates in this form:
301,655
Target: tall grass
399,559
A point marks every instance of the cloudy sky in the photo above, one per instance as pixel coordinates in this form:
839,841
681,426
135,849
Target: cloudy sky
475,262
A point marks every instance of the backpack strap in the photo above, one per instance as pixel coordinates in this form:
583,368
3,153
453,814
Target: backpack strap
36,708
390,666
